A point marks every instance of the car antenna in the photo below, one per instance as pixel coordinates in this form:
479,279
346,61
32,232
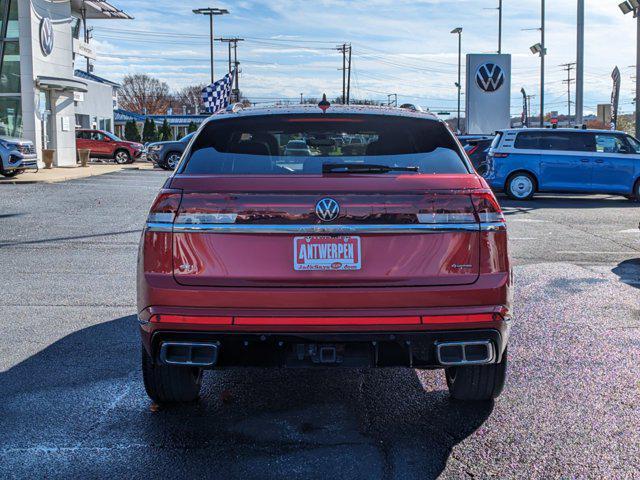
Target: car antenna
324,103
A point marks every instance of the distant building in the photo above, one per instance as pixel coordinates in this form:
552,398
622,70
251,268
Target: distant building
42,99
178,123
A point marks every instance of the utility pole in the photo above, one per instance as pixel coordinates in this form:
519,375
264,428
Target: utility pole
349,77
211,12
529,98
543,53
301,99
637,76
568,67
233,42
580,65
395,99
343,48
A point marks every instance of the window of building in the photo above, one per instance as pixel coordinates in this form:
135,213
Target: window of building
10,104
10,116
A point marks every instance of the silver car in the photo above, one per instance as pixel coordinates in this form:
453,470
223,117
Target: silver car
16,156
298,148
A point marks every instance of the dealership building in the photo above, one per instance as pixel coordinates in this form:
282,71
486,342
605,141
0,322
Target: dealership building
47,89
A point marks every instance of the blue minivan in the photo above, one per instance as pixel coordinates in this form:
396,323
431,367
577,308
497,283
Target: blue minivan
521,162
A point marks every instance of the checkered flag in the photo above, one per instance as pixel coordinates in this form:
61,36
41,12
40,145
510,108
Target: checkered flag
217,96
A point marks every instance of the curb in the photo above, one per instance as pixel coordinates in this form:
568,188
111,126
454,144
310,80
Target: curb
68,178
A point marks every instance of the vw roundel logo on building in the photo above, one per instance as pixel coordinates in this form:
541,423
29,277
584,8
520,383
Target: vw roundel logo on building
489,77
327,209
46,36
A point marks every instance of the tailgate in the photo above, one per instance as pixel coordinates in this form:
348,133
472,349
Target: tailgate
276,238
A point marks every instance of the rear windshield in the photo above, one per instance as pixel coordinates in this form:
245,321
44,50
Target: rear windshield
301,144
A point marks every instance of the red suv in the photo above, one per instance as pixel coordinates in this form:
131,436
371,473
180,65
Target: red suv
106,145
390,254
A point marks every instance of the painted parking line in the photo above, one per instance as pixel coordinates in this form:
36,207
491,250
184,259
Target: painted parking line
595,252
526,220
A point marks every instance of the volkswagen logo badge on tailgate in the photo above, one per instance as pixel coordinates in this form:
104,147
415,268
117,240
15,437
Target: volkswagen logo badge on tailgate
327,209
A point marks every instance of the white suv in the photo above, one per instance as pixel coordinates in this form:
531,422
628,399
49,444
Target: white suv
16,156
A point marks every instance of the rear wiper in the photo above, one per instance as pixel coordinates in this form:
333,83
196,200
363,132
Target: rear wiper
364,168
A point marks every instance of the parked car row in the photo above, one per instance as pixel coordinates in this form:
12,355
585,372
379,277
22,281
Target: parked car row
18,155
523,162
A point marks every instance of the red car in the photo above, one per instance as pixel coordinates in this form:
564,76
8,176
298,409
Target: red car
394,255
106,145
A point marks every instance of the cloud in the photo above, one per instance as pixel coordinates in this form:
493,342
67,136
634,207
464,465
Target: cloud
399,46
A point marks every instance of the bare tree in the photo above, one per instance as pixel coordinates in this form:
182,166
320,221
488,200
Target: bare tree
142,93
191,97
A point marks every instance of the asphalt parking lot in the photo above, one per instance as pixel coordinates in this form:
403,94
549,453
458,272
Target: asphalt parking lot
72,404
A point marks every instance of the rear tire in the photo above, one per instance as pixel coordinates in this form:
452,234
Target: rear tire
170,383
635,195
473,383
520,186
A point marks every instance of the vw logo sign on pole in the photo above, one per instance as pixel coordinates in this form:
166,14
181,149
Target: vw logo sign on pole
327,209
46,36
489,77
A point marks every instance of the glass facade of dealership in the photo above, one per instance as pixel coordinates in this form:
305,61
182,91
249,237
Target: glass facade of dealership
10,104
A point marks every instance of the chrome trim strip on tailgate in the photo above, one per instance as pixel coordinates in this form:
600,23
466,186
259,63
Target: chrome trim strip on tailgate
409,228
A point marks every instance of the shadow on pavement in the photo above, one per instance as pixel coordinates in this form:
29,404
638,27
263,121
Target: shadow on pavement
629,272
564,202
86,391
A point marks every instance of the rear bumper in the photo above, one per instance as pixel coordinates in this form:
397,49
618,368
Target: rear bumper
401,341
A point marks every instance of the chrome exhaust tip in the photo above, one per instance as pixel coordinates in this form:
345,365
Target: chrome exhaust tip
479,352
189,354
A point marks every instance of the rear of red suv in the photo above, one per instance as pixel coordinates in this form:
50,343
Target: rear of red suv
392,254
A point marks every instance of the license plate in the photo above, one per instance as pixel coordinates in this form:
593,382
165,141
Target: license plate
326,253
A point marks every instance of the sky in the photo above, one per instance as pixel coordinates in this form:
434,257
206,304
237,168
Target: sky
399,46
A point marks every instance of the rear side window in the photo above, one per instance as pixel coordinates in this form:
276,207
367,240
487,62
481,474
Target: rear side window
556,140
301,144
528,140
610,143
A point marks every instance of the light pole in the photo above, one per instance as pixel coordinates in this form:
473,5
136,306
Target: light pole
580,65
628,7
211,12
500,26
458,31
540,49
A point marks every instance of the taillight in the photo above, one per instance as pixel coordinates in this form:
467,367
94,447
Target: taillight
165,206
447,209
472,149
487,208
